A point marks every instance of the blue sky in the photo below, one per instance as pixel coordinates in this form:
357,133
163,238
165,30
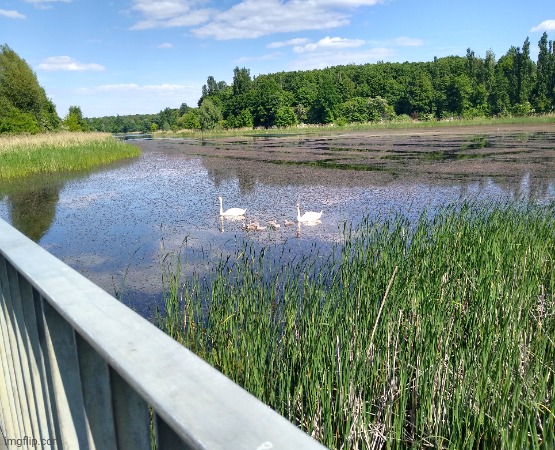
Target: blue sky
141,56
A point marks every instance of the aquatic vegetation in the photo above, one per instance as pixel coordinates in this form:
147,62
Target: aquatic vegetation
435,334
22,155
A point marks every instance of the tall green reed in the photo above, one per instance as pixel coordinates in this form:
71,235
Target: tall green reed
437,333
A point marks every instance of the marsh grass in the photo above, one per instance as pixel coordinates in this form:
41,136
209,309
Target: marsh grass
22,155
433,334
384,125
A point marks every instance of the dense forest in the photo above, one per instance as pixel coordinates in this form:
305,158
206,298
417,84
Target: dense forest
454,86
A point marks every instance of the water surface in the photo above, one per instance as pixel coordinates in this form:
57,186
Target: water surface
116,224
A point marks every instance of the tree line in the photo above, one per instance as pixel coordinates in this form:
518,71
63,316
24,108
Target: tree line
454,86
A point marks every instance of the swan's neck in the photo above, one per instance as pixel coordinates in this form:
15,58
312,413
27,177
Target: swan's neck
298,213
221,208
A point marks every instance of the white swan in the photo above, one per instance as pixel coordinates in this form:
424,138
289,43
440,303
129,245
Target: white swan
309,216
232,212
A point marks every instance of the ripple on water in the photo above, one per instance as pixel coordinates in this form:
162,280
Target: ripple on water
116,225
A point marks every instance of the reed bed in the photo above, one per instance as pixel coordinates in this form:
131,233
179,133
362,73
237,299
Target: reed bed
433,334
21,155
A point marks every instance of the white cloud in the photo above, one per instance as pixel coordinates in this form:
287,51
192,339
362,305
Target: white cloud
11,14
169,14
66,63
329,43
404,41
185,20
161,10
290,42
247,18
165,45
546,25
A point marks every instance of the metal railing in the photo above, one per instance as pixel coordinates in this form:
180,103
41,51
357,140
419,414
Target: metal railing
80,370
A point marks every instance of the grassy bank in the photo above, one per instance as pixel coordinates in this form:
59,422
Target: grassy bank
434,334
58,152
369,126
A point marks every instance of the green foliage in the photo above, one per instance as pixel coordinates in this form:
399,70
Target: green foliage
465,87
269,97
209,115
327,103
242,120
285,117
74,120
189,120
25,107
242,82
354,110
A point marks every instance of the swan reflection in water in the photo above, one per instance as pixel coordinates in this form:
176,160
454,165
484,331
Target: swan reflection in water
306,224
230,219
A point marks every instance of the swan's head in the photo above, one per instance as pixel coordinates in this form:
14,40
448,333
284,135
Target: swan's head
220,198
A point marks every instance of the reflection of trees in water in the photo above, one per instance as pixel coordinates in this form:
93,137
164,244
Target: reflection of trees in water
32,201
32,211
526,186
220,172
529,185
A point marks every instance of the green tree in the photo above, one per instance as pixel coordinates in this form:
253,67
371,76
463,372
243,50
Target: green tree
268,97
420,93
12,120
526,73
189,120
209,115
183,109
242,82
326,105
285,117
354,110
543,93
242,120
459,93
23,100
378,109
74,120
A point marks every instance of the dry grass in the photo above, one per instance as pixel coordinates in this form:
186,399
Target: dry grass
64,139
21,155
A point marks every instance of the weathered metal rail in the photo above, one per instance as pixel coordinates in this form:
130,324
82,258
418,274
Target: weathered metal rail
80,370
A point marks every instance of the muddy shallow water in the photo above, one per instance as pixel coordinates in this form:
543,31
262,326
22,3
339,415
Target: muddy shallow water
116,224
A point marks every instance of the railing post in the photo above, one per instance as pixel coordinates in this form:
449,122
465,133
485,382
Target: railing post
20,420
97,394
131,414
35,361
62,353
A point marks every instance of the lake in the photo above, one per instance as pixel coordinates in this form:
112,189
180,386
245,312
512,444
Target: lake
116,224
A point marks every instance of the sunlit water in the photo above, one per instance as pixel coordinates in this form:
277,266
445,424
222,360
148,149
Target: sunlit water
116,225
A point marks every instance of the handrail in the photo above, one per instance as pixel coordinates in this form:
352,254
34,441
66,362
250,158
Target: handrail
80,370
